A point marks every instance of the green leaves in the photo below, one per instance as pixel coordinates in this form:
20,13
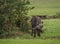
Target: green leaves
13,14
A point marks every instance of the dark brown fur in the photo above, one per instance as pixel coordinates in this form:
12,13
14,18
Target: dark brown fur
37,25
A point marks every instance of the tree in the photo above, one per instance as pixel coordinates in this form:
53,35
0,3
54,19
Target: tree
22,10
12,11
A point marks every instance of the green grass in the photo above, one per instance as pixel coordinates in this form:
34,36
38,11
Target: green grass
52,28
29,41
44,11
45,7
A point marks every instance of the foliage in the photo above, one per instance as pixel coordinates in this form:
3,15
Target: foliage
12,15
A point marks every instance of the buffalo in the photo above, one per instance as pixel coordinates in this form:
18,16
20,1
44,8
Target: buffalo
37,25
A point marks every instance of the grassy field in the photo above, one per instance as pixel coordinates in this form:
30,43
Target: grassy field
51,30
45,7
51,35
29,41
51,27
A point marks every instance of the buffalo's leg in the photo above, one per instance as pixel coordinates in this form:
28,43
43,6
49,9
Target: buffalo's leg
38,33
34,31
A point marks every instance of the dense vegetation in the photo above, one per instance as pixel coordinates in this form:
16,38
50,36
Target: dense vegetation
13,17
